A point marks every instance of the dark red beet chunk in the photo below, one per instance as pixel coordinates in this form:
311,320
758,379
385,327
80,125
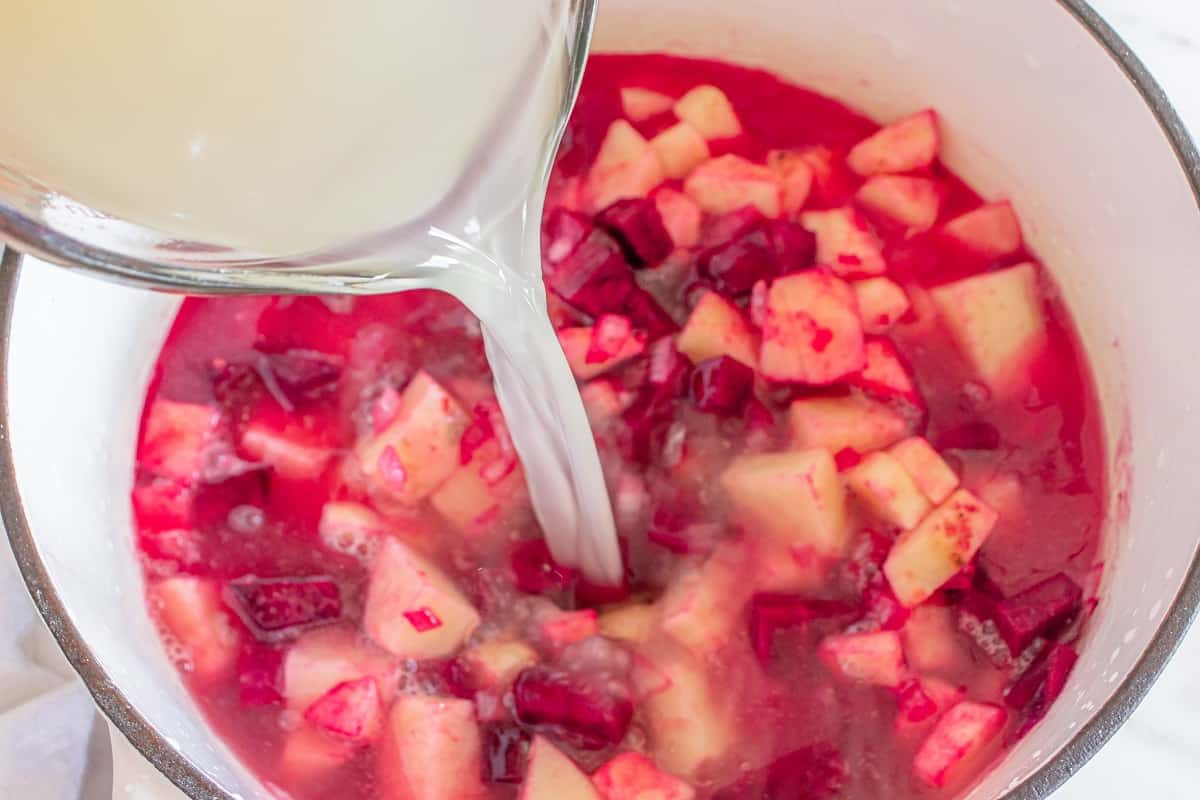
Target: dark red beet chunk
638,228
721,385
507,748
647,315
794,246
595,278
912,704
770,612
734,267
1041,685
971,436
562,233
816,772
1037,611
277,607
535,570
304,374
258,675
564,707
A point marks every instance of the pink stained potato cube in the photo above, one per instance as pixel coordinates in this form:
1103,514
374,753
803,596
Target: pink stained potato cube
933,644
681,148
921,702
495,664
961,737
708,110
404,583
419,449
639,229
351,529
595,349
905,145
991,231
924,558
883,485
632,776
641,104
794,498
881,303
353,710
845,242
728,183
812,332
310,755
837,423
552,775
174,438
568,627
633,623
285,452
876,658
886,376
680,215
703,608
796,174
932,474
191,611
913,203
626,167
324,658
998,322
717,328
604,401
431,750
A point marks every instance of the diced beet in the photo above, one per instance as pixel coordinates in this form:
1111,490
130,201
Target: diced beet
353,709
278,607
794,246
535,570
770,612
963,580
846,458
595,594
477,434
734,267
757,416
507,747
666,530
732,226
457,678
647,315
1037,611
1036,690
304,374
721,385
638,227
970,436
563,706
595,278
913,705
562,234
258,675
816,772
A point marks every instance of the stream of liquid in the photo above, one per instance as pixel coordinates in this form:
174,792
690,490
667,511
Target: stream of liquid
290,127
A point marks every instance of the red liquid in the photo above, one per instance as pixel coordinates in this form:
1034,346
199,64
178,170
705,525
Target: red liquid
282,394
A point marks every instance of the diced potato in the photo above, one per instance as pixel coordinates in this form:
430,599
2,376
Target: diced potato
603,401
495,664
796,174
998,323
933,644
845,242
633,622
794,497
323,658
991,231
632,776
907,144
703,609
552,775
811,332
680,215
881,303
422,439
689,719
351,529
287,454
931,472
174,437
709,111
413,609
590,356
641,104
717,328
912,202
431,750
886,488
626,167
927,556
568,627
961,736
876,658
309,754
936,698
886,376
836,423
191,610
681,148
728,183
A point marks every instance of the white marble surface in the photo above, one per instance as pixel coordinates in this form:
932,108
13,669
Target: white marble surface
1157,753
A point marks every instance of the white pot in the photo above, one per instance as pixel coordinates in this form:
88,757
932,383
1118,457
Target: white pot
1040,102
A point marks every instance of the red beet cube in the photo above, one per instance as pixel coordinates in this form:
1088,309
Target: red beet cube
646,314
277,607
732,226
793,245
562,234
304,374
535,571
1042,684
734,267
638,227
565,707
770,612
816,772
721,385
595,278
913,704
970,436
1037,611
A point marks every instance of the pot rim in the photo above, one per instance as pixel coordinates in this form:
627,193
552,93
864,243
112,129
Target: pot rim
195,784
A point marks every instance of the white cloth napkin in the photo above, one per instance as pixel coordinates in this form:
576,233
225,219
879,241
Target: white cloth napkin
52,744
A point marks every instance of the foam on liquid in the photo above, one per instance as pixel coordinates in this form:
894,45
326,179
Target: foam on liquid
288,127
